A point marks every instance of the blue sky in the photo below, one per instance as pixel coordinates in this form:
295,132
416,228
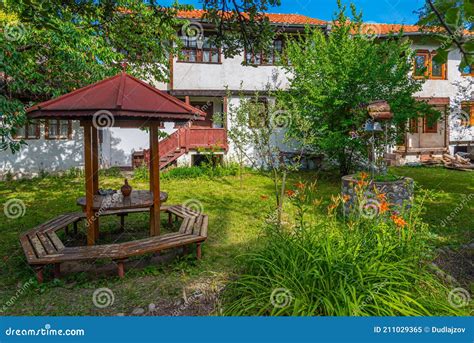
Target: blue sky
380,11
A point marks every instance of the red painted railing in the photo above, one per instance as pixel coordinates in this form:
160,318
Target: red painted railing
191,138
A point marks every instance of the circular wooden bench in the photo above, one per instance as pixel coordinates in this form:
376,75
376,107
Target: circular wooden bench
42,246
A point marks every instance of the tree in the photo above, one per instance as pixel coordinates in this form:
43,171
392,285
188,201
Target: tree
454,17
52,47
332,79
253,125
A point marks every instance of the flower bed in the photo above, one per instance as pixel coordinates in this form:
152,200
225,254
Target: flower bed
369,197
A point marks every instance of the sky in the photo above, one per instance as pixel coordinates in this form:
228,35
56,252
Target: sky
378,11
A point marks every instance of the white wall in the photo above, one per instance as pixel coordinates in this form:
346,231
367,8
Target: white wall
231,73
48,155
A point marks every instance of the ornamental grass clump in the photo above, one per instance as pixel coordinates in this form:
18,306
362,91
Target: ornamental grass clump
335,266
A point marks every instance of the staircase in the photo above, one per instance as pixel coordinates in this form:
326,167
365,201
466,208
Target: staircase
188,138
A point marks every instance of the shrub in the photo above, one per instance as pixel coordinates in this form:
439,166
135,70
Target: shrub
330,267
111,172
141,173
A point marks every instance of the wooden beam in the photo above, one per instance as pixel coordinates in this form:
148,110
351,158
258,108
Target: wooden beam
95,173
89,183
155,180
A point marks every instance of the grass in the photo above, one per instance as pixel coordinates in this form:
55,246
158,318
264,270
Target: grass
236,217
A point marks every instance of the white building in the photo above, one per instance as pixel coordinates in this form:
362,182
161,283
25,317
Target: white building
204,78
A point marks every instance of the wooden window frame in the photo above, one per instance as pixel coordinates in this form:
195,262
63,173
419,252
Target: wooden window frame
49,137
262,55
199,55
429,66
470,121
27,131
427,129
413,125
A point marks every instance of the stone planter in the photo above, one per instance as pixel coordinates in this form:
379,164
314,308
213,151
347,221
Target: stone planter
398,193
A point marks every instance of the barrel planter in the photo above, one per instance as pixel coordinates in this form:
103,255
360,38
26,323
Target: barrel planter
398,194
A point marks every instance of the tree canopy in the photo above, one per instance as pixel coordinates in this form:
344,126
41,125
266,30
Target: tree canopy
52,47
455,17
332,79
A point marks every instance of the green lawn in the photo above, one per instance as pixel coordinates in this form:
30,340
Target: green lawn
234,228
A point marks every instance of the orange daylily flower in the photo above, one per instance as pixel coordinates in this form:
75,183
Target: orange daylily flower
399,221
300,185
384,207
381,196
290,193
364,175
346,198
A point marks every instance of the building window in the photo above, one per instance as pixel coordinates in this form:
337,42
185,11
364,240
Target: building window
467,114
424,66
258,116
270,57
414,125
30,131
430,125
58,129
196,51
468,71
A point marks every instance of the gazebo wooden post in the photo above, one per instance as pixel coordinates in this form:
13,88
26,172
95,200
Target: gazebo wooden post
95,174
89,182
154,180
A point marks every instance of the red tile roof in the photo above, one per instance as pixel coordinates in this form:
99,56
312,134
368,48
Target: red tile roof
277,18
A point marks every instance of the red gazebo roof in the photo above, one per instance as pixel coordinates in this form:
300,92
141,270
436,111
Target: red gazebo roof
125,96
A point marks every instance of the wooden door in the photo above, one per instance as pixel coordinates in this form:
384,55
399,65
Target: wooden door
208,108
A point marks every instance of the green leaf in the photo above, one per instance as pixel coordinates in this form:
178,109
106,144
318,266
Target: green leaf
452,17
441,56
469,10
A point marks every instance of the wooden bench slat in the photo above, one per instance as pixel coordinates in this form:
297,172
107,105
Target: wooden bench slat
184,224
56,241
204,226
190,226
47,244
197,226
28,249
35,242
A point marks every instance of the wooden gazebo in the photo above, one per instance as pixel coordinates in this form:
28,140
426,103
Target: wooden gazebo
120,101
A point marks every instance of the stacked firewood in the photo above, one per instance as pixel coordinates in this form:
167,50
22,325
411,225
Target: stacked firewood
457,162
